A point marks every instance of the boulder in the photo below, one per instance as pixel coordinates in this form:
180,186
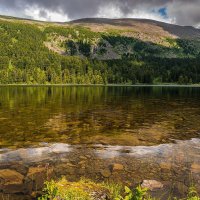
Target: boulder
11,181
152,185
38,175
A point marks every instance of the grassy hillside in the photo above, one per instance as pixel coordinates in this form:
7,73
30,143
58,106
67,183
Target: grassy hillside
98,51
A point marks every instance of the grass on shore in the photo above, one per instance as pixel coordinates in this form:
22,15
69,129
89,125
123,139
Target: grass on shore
89,190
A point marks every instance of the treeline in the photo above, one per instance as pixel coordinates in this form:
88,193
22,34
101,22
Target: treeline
25,59
73,70
68,70
155,70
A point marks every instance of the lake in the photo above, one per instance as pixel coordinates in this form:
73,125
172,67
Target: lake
121,134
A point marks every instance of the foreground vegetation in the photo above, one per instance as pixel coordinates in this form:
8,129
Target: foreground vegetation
35,53
88,190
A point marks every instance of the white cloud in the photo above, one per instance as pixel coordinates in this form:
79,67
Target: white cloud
45,15
142,14
7,12
112,11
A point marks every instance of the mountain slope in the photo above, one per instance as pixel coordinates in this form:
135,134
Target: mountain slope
99,51
146,26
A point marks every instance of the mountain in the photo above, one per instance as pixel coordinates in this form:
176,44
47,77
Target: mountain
98,51
149,27
149,31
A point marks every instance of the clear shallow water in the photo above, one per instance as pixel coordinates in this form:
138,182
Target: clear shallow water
154,132
98,115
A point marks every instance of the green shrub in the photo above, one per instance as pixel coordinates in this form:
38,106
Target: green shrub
192,194
138,194
86,190
63,190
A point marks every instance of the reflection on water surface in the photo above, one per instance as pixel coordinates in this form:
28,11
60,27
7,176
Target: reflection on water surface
98,115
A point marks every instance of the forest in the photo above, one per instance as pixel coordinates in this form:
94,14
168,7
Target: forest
50,54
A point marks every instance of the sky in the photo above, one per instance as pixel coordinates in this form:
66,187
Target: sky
182,12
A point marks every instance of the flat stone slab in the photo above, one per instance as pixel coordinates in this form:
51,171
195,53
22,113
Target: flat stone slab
11,181
8,177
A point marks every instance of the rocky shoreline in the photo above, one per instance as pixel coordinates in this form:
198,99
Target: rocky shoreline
23,171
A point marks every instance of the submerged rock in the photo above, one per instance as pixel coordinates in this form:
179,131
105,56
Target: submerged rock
165,166
118,167
195,168
152,185
83,157
106,173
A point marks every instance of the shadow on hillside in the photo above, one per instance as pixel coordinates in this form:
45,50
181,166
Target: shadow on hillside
128,47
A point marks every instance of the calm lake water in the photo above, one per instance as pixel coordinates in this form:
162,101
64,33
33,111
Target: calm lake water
80,131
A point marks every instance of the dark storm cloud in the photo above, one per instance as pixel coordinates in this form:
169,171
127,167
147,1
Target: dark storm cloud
182,11
186,12
82,8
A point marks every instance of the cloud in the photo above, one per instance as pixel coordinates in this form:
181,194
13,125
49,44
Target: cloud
182,12
185,12
45,15
113,11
